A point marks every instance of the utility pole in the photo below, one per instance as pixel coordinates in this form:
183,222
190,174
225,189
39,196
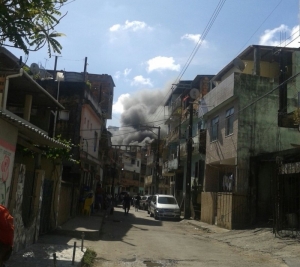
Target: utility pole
187,200
157,163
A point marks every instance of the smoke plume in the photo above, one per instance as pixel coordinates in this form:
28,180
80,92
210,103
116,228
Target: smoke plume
144,108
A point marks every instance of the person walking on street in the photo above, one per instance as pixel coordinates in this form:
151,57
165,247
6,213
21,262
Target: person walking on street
126,203
137,202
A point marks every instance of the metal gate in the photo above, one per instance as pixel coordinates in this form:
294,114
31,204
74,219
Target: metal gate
287,205
45,222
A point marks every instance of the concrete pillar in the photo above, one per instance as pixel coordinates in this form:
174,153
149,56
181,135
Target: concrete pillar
27,107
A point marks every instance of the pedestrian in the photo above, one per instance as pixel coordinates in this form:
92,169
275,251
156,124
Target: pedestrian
6,234
126,203
137,202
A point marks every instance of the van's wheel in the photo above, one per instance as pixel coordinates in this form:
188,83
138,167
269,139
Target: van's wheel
151,215
156,217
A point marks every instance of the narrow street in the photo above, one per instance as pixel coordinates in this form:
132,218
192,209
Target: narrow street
137,239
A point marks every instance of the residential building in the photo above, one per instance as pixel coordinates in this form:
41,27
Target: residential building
82,95
241,113
30,181
155,182
185,143
128,165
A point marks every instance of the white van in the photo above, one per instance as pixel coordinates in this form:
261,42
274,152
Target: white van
164,206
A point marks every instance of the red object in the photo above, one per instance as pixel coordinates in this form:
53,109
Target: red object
184,99
6,227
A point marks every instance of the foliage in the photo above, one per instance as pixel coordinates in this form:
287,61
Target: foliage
60,153
88,258
55,153
88,83
29,25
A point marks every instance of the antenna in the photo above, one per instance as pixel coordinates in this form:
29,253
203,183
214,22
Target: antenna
239,64
194,93
34,68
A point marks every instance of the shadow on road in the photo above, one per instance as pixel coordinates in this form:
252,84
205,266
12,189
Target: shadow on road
116,226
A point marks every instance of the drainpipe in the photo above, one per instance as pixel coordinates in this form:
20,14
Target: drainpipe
6,86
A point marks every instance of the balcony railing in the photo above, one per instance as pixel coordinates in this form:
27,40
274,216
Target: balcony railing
170,165
174,106
173,135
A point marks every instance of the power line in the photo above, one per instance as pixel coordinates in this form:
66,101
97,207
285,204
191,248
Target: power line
199,43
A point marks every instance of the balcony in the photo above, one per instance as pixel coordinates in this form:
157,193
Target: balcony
219,95
173,136
175,105
169,167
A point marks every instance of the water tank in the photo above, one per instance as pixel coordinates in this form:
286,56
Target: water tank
73,77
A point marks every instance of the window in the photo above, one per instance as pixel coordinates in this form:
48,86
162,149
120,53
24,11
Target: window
137,163
214,128
229,121
132,161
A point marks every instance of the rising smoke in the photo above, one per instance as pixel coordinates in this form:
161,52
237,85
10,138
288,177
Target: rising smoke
145,107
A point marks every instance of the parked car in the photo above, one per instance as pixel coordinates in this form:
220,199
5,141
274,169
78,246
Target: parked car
144,202
164,206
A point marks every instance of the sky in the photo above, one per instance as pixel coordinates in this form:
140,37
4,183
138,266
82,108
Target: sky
146,46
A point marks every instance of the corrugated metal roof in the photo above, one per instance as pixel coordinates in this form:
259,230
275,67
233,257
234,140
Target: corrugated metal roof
39,136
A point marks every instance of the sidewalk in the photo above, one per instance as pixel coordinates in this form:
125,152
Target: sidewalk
260,240
61,242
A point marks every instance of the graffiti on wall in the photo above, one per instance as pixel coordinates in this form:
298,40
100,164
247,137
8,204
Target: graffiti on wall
7,153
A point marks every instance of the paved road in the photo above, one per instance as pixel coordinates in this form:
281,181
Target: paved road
138,240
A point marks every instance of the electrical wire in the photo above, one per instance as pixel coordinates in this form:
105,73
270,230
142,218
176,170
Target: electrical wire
199,43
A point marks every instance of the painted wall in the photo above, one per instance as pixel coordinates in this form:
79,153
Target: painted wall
8,141
25,236
90,126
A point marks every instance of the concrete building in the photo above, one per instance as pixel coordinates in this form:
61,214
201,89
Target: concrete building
30,178
82,94
241,112
185,143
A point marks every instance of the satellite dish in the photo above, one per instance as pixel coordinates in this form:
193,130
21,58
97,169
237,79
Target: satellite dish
34,68
239,64
194,93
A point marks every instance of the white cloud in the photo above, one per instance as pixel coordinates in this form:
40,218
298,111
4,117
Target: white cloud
126,72
281,36
140,80
118,107
195,38
117,75
162,63
130,25
192,37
